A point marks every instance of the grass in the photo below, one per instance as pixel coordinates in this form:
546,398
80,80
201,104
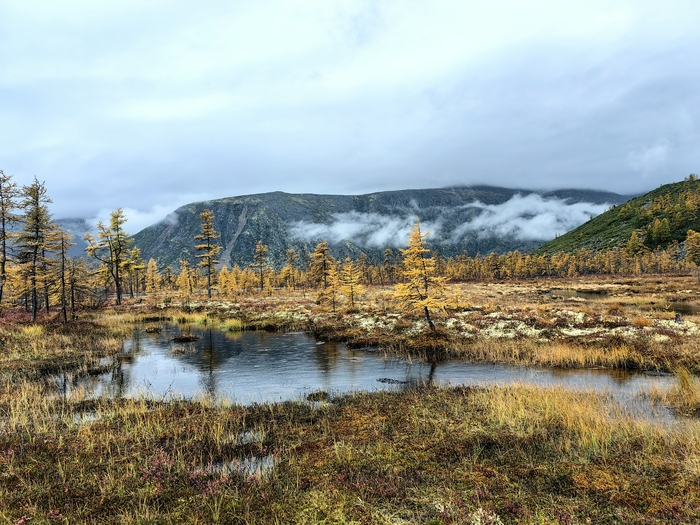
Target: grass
518,454
684,396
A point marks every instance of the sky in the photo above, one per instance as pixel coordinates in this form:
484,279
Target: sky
147,106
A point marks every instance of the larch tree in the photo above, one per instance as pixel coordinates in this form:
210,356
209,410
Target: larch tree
134,268
421,288
152,278
82,286
225,282
329,294
634,245
260,257
288,273
350,280
322,264
62,241
692,247
184,283
111,248
168,280
9,195
33,237
208,248
389,267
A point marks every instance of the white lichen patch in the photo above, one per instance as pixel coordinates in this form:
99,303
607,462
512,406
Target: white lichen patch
682,328
370,324
579,332
458,325
417,328
509,329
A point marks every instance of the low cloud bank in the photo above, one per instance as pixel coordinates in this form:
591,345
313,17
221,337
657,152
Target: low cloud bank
527,217
370,230
523,217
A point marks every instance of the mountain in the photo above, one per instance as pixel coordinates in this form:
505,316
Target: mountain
477,219
659,217
77,228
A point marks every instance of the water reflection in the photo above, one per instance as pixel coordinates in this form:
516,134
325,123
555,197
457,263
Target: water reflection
255,367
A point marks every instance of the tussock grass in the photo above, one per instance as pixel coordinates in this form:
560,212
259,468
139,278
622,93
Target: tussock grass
516,454
684,396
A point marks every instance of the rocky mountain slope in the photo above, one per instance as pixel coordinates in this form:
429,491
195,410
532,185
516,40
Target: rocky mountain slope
476,219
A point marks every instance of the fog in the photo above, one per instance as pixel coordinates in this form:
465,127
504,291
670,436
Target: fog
523,217
369,230
528,217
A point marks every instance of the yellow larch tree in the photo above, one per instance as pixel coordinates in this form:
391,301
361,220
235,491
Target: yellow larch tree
153,280
422,289
208,248
350,279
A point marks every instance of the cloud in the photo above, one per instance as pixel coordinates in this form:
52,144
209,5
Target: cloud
649,159
527,217
523,217
368,230
153,99
137,220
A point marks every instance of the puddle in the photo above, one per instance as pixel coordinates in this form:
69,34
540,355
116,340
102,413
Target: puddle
591,295
83,418
255,466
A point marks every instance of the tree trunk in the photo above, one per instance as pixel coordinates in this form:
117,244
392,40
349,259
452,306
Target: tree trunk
427,316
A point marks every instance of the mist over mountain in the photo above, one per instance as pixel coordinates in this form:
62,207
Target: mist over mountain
477,219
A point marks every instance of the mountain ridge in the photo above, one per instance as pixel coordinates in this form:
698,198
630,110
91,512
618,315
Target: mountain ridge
372,222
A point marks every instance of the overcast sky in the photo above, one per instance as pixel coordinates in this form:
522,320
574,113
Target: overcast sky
148,105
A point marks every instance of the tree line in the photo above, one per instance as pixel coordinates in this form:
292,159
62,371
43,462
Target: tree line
37,273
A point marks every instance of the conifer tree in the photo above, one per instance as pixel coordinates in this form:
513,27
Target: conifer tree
350,280
208,248
634,245
288,273
33,237
112,248
260,257
81,285
329,294
63,241
168,278
184,283
389,265
152,279
225,282
692,247
9,193
322,264
134,267
421,289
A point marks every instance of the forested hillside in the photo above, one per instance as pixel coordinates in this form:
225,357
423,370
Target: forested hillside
654,220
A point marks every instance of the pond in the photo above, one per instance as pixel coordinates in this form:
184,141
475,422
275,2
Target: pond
249,367
591,295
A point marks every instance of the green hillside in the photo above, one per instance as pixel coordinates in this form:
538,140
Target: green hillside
659,218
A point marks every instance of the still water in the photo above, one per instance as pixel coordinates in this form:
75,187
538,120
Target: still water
253,367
